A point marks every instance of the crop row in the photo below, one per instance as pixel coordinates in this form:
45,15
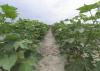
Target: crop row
19,40
79,39
18,43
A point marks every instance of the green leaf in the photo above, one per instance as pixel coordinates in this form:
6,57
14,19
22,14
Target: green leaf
80,65
25,67
97,66
2,37
12,37
81,30
9,11
7,62
24,44
86,8
71,40
28,64
97,15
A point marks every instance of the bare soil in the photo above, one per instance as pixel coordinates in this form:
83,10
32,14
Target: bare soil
52,60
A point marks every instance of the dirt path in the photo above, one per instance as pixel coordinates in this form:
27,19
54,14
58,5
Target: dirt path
52,60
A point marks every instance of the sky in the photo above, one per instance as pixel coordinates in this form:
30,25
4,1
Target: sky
47,11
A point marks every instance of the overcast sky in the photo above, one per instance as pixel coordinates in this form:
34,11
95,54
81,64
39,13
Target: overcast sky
47,11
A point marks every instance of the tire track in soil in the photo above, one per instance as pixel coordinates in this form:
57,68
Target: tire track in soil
52,61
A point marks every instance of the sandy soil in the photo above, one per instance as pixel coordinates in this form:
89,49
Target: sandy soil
52,61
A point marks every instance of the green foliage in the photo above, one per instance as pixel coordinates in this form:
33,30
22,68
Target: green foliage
97,15
18,44
97,66
89,7
79,43
9,11
80,65
86,8
8,61
25,67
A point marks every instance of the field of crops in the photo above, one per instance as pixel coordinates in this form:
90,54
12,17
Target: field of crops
18,42
78,39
